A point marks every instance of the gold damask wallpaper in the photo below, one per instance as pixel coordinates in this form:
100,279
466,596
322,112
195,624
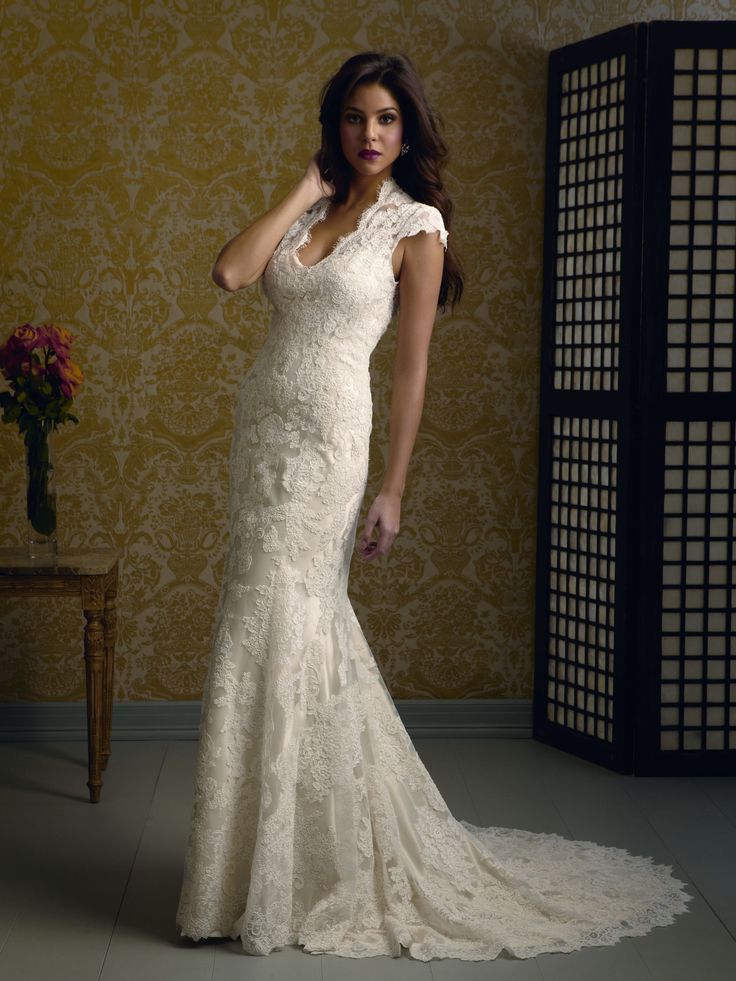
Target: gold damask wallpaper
137,137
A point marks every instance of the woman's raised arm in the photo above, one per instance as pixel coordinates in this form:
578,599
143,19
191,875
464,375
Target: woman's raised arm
244,258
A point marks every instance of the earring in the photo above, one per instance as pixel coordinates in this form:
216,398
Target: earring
404,149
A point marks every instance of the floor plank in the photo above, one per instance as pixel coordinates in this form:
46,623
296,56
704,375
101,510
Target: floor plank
698,833
440,756
502,969
70,861
722,792
146,943
99,883
496,773
233,964
370,968
634,813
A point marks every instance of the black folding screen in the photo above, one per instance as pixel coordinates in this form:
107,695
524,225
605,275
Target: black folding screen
635,661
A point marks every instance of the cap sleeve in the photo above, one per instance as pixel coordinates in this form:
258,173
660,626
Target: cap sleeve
418,217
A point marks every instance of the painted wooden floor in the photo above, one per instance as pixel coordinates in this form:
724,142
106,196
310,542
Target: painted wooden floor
89,892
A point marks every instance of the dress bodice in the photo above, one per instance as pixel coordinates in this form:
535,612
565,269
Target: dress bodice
311,375
351,293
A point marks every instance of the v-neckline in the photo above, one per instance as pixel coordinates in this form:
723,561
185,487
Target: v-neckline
306,238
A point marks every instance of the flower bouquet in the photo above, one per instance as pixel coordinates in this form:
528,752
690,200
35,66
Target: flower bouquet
43,382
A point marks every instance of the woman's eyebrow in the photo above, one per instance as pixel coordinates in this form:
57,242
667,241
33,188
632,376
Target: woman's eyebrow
385,109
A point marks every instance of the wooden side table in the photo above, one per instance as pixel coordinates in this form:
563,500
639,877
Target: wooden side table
93,574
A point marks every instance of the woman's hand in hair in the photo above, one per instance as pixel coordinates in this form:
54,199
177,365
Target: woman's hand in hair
244,258
313,175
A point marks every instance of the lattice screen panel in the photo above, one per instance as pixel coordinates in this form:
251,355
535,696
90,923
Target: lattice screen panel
582,584
702,243
635,660
698,637
589,189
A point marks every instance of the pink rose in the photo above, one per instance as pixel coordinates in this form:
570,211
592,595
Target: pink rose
27,336
58,338
16,349
16,358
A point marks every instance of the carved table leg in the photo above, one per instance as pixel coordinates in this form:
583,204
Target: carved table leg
94,656
110,624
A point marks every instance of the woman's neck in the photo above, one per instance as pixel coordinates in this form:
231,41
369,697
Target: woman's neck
363,189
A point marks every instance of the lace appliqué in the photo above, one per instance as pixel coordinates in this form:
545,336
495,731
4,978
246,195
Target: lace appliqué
314,820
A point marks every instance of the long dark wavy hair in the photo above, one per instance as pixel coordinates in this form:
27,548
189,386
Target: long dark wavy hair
418,171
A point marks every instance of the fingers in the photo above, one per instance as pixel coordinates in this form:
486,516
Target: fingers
312,170
369,551
372,549
328,186
314,174
327,189
366,545
385,540
385,514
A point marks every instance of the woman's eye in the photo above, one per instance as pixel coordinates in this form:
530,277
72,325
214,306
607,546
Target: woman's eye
387,118
352,117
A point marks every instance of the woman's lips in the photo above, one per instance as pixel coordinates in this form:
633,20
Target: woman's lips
369,154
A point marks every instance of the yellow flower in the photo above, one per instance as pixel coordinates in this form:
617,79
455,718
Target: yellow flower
70,377
26,335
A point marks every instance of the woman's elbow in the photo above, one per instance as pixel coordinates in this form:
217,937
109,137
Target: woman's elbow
225,279
229,279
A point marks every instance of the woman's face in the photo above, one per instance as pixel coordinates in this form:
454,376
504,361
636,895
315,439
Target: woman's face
371,130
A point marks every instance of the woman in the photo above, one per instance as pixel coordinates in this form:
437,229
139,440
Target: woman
315,821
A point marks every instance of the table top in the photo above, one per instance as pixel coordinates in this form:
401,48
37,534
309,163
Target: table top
68,561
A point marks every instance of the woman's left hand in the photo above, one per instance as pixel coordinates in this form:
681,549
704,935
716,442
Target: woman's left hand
385,513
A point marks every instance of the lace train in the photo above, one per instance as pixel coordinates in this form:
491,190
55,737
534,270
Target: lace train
314,820
367,858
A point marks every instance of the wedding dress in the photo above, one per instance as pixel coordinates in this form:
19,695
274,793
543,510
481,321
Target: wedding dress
314,820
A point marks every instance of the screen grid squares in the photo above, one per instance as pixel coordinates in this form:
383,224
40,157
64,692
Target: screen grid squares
582,574
698,632
588,238
702,232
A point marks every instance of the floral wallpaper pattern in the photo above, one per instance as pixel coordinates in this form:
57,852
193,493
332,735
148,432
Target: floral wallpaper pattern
136,138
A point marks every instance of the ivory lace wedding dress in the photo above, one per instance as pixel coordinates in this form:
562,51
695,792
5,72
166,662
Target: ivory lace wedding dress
314,820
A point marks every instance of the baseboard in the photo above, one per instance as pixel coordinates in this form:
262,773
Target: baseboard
461,717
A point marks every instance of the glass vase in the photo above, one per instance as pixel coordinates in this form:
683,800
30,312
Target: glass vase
41,494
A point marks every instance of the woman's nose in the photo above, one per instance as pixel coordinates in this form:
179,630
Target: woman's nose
369,131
